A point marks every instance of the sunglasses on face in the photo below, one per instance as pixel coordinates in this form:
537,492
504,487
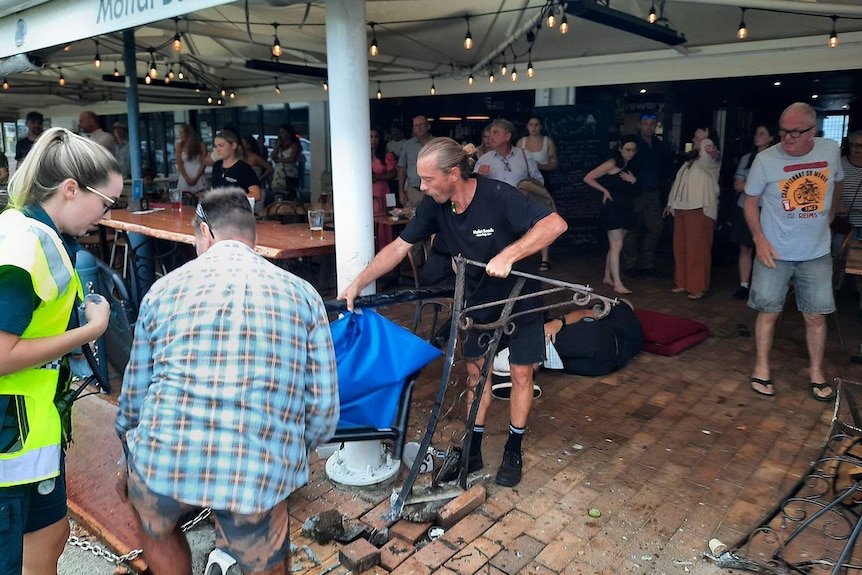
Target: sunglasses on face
111,201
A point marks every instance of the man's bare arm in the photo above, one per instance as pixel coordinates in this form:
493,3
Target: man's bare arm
384,262
540,235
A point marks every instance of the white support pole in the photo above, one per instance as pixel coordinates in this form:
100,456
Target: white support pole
350,126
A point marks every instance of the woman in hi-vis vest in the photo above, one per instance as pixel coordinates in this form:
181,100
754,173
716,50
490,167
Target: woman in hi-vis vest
61,189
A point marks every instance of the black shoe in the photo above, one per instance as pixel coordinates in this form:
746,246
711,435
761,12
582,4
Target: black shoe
632,273
509,474
741,293
474,463
651,273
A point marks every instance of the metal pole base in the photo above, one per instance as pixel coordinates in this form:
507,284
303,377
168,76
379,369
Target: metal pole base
362,463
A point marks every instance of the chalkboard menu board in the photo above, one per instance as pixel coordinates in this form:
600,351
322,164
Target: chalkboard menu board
581,135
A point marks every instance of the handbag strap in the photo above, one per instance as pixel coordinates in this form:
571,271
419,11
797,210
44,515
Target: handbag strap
855,194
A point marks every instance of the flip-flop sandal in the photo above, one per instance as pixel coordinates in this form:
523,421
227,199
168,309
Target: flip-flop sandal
504,390
544,266
677,290
767,383
823,387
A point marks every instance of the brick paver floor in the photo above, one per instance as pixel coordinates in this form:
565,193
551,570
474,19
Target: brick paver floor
671,450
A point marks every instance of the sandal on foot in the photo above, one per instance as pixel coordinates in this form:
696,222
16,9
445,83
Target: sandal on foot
696,295
767,383
544,266
677,290
822,387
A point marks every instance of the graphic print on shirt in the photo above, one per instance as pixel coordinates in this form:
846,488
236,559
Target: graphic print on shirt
806,189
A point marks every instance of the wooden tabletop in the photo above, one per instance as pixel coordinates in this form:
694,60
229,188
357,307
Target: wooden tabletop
854,258
274,240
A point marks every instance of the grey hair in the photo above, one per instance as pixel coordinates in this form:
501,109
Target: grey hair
59,155
802,107
228,212
505,124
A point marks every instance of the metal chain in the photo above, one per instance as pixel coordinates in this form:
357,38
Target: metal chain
110,557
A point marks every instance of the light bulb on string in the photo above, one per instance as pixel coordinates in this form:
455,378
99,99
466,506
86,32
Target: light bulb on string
277,87
433,88
325,86
222,92
530,70
232,95
379,91
62,79
374,49
5,84
468,38
171,74
219,102
209,99
564,24
491,77
470,80
742,31
514,74
552,17
653,16
97,60
167,79
180,73
148,80
276,45
833,37
504,69
177,44
116,71
154,72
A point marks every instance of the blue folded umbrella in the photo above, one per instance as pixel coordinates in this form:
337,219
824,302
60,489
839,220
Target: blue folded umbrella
375,357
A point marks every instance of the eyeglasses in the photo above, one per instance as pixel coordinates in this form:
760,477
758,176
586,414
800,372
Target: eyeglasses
199,212
506,164
794,133
111,201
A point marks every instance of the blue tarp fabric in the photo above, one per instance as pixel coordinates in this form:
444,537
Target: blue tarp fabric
375,357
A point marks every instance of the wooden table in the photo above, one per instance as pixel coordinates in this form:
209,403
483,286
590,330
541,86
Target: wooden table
275,241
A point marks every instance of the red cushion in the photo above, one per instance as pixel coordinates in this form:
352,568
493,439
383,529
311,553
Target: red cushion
667,334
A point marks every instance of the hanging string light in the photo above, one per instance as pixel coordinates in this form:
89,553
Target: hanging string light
180,73
325,86
232,95
564,25
209,99
148,80
433,88
514,74
167,79
833,37
470,79
552,16
530,70
277,88
154,72
491,77
178,41
276,45
97,59
653,16
62,79
5,84
742,31
222,92
374,49
468,38
171,74
379,91
504,69
116,70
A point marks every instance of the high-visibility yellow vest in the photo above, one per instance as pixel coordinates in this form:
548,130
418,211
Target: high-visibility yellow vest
35,247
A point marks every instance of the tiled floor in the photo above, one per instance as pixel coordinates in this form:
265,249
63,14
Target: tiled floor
672,451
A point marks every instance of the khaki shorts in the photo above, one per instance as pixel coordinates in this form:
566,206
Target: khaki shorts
258,541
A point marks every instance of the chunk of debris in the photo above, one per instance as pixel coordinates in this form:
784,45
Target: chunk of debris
324,527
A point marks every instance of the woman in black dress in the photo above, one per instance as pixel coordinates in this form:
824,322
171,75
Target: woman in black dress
231,170
618,188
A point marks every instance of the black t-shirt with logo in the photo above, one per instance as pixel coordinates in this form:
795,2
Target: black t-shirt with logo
240,174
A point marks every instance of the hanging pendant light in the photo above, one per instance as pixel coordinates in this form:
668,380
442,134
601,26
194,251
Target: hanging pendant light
97,59
374,49
653,16
742,31
379,91
833,37
468,38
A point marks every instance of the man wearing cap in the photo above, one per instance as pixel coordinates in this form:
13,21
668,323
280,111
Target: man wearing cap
34,130
652,166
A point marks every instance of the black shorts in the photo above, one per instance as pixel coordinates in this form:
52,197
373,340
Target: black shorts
526,344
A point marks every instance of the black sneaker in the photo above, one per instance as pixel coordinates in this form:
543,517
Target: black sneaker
509,474
741,293
474,463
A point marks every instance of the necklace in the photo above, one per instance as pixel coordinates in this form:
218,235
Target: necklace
452,205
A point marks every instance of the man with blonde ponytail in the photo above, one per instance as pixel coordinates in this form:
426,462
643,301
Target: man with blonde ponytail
488,221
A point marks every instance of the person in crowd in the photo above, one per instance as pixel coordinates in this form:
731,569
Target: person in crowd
230,384
384,166
544,152
693,201
514,227
61,189
409,193
285,155
395,145
34,130
617,184
653,168
123,154
151,189
252,156
89,123
4,169
739,232
508,164
851,201
486,142
191,155
798,184
231,170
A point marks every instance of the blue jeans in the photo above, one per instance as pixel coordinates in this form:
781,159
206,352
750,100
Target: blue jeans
812,282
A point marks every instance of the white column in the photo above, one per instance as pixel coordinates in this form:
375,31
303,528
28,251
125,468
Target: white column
350,125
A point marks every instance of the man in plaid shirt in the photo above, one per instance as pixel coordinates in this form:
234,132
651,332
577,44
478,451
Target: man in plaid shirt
231,382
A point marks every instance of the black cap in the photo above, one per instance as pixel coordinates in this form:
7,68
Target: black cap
35,117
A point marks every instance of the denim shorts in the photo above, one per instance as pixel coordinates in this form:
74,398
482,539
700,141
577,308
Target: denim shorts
24,510
257,541
526,344
812,282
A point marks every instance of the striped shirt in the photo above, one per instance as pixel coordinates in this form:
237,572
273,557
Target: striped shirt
231,382
852,185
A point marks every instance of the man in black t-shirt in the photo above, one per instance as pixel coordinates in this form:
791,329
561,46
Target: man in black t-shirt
486,221
34,130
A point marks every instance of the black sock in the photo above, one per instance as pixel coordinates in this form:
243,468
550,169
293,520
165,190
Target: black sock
516,434
476,441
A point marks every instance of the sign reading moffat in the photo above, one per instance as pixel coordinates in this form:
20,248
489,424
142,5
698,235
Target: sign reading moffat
60,22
